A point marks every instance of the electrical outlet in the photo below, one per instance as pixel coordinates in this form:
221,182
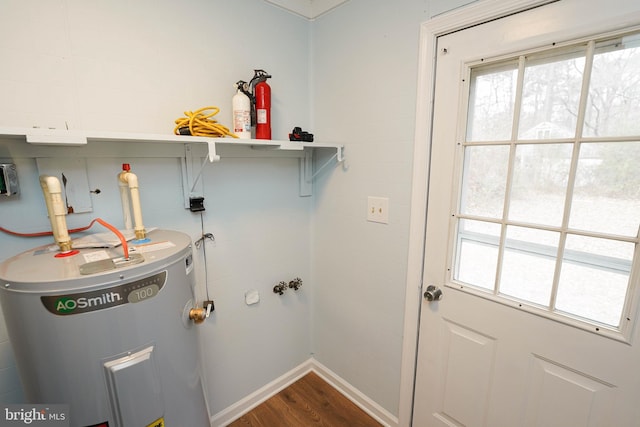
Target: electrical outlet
378,209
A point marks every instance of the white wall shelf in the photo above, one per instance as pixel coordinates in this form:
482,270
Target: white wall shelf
67,143
265,144
62,137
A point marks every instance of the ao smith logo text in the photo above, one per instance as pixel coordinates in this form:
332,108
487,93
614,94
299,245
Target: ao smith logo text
66,304
84,302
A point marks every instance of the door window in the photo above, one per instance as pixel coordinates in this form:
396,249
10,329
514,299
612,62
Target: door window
548,212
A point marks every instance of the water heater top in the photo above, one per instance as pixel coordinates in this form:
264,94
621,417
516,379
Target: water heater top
40,270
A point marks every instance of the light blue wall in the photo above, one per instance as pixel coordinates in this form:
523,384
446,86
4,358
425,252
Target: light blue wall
349,76
365,68
115,65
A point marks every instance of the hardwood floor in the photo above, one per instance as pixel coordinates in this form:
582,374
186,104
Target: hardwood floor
308,402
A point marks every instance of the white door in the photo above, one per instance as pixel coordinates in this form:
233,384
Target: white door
532,222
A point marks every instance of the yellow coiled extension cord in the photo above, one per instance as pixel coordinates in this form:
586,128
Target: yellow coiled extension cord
199,123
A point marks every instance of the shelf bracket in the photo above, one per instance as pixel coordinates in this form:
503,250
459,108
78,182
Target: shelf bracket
213,156
192,168
339,154
306,169
305,174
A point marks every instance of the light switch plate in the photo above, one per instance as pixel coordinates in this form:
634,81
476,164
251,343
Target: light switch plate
378,209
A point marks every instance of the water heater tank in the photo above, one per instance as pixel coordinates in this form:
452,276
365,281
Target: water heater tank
111,339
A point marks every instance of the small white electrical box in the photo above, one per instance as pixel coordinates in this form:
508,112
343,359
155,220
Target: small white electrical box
251,297
8,179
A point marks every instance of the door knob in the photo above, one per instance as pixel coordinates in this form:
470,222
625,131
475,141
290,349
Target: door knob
433,293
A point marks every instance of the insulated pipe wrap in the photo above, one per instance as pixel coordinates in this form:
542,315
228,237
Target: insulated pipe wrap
52,191
131,180
126,205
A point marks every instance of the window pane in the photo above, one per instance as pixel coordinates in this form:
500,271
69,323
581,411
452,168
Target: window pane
607,190
491,104
539,183
550,97
528,264
613,106
484,180
594,279
515,182
477,253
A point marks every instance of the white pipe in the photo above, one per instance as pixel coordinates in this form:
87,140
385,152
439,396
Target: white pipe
52,191
126,206
129,178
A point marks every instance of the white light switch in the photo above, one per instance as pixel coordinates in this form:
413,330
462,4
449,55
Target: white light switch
378,209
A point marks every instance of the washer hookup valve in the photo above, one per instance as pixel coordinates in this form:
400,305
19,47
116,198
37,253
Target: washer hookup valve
297,134
295,283
280,288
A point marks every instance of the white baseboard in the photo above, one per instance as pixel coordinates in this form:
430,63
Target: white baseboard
376,411
235,411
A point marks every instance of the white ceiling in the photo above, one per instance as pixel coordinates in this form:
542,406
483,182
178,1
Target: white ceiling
309,9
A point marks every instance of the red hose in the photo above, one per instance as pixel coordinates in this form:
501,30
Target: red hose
45,233
125,246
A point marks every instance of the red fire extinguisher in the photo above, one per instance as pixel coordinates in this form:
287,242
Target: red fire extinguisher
262,97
